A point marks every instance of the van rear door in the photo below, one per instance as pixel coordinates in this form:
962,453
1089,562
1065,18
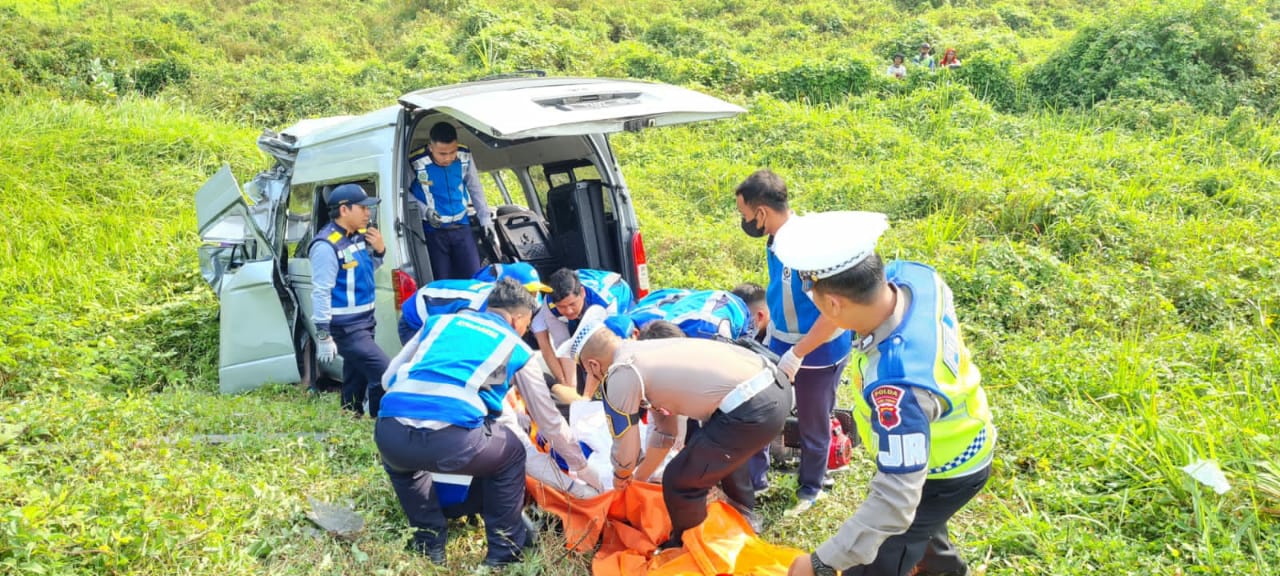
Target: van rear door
238,259
537,107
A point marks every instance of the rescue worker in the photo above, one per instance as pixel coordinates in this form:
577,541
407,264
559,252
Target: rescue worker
741,399
343,256
453,296
753,295
572,294
446,184
921,410
444,391
698,313
814,351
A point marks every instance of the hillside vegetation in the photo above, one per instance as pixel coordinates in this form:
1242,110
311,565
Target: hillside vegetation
1098,183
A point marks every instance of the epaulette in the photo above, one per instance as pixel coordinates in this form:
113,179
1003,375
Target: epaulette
418,152
335,237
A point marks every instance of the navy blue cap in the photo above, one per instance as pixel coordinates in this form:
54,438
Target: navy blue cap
349,195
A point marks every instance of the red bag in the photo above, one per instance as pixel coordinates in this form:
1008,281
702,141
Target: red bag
841,447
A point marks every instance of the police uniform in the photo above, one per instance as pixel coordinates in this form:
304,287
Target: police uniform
741,399
792,314
342,305
453,296
444,194
921,413
698,313
444,392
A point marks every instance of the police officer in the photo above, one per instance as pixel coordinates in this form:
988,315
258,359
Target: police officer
813,349
444,391
741,399
698,313
343,256
446,184
572,294
921,410
453,296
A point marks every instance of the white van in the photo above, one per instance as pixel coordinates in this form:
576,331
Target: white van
543,143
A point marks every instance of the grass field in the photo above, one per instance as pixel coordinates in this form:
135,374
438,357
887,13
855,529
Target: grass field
1098,184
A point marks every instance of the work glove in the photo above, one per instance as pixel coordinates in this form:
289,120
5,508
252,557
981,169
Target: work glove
589,477
326,350
789,363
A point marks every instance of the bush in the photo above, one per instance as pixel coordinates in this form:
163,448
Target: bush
152,77
989,76
1198,52
818,82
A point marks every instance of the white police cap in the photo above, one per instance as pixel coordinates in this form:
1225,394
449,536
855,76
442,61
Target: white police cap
823,244
592,321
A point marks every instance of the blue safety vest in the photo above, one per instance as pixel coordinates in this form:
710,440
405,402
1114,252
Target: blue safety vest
354,288
445,186
601,288
698,313
459,372
446,297
792,314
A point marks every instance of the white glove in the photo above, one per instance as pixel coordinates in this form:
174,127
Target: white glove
790,364
326,350
589,477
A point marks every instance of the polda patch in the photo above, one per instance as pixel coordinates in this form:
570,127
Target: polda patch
886,400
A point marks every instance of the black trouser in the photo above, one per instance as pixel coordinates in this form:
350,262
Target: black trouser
718,454
363,363
926,545
492,454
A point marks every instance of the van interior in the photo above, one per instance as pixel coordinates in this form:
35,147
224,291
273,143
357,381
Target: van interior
556,210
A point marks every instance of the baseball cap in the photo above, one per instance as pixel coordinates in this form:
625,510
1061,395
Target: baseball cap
350,195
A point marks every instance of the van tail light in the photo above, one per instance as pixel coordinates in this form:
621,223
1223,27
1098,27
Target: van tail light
404,285
642,266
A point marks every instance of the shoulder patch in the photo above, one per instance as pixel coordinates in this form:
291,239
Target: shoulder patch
418,152
335,237
886,400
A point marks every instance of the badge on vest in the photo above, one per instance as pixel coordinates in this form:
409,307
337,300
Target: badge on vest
351,264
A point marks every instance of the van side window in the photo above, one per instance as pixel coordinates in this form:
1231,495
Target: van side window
503,180
298,230
313,197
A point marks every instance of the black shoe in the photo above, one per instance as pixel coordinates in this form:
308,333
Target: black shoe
433,553
673,542
530,531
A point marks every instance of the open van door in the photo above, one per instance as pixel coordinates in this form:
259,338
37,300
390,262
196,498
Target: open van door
540,107
255,344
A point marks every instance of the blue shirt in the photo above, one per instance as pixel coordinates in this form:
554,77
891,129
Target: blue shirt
793,314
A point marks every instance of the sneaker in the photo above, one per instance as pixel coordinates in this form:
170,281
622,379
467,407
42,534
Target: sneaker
828,482
803,505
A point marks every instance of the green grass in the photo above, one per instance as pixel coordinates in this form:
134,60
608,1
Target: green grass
1114,265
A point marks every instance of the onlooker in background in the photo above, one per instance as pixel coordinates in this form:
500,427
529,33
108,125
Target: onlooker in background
925,58
897,69
949,59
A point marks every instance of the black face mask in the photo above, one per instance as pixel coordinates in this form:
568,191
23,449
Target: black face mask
751,228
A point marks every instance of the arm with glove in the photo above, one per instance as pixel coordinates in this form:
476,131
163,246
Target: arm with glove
551,425
324,274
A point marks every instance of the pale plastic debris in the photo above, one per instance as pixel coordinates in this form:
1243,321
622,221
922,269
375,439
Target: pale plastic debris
1207,472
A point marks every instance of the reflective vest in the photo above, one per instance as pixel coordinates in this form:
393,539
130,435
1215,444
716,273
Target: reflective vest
442,189
446,297
459,372
601,288
698,313
926,351
792,314
354,288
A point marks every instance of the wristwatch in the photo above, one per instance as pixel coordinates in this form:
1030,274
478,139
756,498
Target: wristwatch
322,334
820,568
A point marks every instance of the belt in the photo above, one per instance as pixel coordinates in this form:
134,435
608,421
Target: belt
747,390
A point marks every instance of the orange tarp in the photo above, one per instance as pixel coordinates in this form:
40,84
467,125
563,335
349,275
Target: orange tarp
630,524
